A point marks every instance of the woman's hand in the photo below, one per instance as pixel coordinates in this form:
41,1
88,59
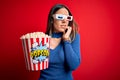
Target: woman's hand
66,35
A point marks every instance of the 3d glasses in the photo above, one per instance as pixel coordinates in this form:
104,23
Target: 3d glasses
62,17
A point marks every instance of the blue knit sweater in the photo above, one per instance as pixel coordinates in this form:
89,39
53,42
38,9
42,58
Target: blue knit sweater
63,60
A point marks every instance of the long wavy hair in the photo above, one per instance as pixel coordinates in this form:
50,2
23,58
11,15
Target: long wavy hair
50,26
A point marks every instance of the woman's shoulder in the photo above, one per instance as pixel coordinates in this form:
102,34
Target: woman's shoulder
77,37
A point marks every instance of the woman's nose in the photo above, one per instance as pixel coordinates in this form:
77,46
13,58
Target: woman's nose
64,20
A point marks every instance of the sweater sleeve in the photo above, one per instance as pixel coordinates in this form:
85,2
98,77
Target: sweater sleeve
72,53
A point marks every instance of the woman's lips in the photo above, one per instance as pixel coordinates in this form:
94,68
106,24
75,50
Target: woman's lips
63,26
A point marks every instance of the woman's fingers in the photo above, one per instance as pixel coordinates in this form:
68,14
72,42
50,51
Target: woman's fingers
68,31
66,34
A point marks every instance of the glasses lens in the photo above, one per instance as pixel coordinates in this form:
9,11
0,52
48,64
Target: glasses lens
59,17
69,18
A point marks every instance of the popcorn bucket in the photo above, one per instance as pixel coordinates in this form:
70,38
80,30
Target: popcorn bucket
36,51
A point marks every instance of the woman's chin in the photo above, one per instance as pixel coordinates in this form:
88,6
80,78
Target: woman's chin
62,30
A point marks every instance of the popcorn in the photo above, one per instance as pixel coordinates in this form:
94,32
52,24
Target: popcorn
34,35
36,50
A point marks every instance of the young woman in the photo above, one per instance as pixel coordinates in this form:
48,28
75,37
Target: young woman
64,45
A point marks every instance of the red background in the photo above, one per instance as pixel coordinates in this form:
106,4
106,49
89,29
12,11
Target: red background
98,20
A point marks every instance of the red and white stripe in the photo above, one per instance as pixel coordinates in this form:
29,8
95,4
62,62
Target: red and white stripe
27,44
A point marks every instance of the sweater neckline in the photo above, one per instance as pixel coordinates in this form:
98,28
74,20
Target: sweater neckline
57,35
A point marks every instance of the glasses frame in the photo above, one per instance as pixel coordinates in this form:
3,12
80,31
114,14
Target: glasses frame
62,17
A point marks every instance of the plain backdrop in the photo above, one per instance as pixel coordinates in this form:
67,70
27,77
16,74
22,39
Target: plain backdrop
99,28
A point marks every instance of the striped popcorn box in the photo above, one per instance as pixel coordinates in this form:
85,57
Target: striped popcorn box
36,50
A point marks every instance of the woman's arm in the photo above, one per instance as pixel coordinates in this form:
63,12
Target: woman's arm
72,53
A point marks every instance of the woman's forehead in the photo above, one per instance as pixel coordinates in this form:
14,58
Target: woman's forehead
62,11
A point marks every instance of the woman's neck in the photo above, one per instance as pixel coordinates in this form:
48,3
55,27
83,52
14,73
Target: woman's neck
57,34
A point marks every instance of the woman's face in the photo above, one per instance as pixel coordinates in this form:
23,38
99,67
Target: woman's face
60,25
